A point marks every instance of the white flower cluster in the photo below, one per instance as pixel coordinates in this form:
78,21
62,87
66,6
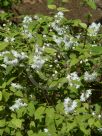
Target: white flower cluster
59,15
90,77
15,61
62,37
16,86
4,53
8,39
20,56
56,24
69,105
17,105
38,61
47,131
36,17
26,21
100,130
73,77
10,62
93,29
68,41
85,95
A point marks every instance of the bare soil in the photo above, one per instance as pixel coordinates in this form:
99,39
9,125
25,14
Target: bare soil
76,11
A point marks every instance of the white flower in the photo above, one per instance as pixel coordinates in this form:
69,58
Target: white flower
93,113
16,85
29,35
36,17
45,130
99,116
90,77
27,19
37,62
17,105
12,39
8,39
100,130
93,29
69,105
85,95
59,15
58,40
10,62
20,56
72,77
3,65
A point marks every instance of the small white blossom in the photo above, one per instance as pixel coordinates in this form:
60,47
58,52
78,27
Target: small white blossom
58,40
59,15
20,56
37,62
6,39
12,39
69,105
36,17
85,95
16,85
94,29
27,19
45,130
17,105
100,130
90,77
93,113
99,116
3,65
72,77
10,62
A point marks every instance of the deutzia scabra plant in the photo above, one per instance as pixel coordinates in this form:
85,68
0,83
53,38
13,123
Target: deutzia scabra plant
50,77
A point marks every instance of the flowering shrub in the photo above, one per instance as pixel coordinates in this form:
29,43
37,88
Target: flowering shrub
50,69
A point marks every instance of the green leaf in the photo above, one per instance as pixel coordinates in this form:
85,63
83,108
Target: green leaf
91,3
1,108
39,112
52,6
18,133
62,81
63,9
6,95
83,25
53,84
7,130
30,133
50,2
19,93
65,1
2,123
98,124
3,45
91,122
50,51
17,123
10,80
0,95
31,109
96,49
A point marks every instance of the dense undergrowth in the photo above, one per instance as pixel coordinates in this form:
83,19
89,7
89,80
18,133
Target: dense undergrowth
50,77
